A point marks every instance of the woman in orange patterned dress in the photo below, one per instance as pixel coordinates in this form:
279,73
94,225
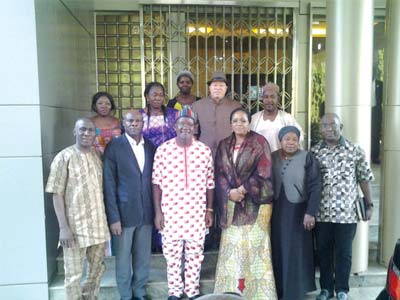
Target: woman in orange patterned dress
107,126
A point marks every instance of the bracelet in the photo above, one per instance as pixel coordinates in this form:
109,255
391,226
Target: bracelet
209,209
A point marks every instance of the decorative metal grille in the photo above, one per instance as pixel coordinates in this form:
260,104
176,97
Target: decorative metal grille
251,45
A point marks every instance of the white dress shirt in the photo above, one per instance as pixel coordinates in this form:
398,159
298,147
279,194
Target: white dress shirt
138,150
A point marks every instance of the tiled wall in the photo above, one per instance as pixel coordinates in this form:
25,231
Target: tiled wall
48,77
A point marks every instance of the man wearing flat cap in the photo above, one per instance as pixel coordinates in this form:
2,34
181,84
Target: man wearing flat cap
214,111
269,121
183,191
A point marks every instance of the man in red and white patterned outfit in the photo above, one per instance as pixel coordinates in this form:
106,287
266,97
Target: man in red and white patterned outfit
183,189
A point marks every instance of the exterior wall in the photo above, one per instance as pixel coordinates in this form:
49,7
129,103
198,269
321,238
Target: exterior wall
66,59
22,221
48,76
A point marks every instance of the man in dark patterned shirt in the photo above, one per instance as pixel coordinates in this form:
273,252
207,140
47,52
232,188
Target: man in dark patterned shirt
343,168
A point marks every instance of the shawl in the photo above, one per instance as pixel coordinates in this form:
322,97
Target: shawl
252,169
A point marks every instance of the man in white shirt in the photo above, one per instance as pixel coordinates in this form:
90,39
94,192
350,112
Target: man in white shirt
269,121
128,163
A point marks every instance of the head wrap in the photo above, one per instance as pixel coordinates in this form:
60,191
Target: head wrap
184,73
285,130
186,112
271,87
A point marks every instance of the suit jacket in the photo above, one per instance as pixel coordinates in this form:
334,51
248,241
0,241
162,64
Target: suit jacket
127,191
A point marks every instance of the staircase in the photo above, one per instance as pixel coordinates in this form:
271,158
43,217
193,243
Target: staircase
157,286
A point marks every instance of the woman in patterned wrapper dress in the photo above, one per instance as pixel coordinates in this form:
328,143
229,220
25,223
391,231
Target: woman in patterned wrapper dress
107,126
243,197
158,127
159,121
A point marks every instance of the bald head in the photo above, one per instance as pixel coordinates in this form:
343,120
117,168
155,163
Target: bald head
83,119
85,133
331,128
132,111
331,116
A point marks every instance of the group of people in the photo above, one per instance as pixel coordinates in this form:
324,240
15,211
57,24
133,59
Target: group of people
183,166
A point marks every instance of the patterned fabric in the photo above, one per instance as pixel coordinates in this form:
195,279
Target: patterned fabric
173,103
184,174
244,260
270,129
159,129
343,167
73,266
78,177
193,255
252,170
105,135
187,112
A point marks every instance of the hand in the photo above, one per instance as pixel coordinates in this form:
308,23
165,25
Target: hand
242,190
308,222
368,213
209,219
116,228
235,195
66,237
159,221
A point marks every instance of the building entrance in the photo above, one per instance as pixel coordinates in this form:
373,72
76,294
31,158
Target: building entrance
251,45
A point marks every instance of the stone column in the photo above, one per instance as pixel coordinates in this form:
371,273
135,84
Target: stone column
300,107
390,188
349,83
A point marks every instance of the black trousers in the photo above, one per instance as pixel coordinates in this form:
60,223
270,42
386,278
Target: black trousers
334,247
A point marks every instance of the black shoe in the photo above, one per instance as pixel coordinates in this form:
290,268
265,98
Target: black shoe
174,298
195,297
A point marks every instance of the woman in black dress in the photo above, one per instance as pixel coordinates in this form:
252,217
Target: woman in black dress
297,191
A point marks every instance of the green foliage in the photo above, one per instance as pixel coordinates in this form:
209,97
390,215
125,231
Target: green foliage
318,94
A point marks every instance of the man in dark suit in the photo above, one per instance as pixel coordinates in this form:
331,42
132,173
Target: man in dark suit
128,162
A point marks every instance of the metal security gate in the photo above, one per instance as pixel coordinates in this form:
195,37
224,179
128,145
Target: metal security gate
251,45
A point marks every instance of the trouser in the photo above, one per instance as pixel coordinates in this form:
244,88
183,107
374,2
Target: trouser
73,266
193,254
334,247
132,260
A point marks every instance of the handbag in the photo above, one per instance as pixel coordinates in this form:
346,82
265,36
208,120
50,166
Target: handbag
361,207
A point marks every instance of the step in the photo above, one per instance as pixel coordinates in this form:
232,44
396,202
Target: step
157,286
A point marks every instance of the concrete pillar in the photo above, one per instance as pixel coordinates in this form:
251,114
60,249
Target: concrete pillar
300,106
390,188
348,85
